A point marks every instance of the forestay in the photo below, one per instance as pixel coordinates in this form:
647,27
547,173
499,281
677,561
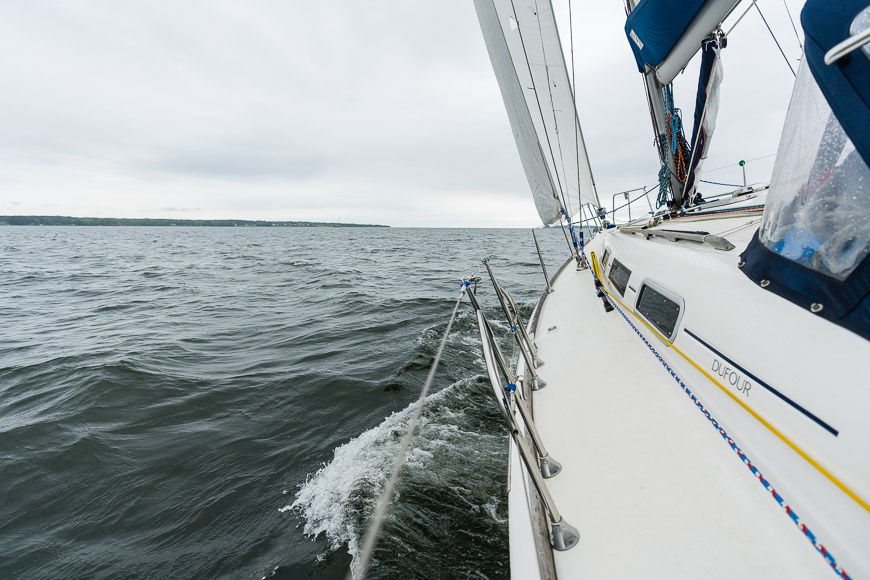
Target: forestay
526,54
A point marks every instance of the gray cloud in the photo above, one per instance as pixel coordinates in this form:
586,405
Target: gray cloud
305,110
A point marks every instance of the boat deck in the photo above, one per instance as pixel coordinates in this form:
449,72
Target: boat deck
653,489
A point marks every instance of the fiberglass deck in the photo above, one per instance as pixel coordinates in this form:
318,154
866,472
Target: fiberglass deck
650,485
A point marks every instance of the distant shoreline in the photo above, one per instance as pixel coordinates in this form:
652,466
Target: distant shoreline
47,220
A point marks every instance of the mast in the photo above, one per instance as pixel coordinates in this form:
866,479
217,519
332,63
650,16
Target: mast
656,101
664,35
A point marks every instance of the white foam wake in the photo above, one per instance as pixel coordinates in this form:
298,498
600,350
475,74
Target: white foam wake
339,498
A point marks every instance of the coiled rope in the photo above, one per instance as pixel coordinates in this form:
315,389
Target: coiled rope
384,501
678,148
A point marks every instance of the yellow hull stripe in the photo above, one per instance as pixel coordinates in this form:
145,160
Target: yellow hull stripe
864,504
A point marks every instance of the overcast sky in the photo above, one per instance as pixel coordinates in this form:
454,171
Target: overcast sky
375,112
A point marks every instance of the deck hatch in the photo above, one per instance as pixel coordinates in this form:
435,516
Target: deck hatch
619,276
660,309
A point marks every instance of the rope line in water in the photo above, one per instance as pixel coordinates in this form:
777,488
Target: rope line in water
384,501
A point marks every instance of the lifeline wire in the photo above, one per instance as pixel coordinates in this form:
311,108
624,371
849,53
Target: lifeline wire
737,164
384,501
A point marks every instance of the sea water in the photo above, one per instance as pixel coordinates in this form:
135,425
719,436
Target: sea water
227,402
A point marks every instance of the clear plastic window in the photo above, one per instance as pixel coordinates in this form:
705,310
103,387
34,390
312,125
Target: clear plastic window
818,208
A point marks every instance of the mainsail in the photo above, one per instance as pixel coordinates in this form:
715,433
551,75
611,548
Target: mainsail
526,53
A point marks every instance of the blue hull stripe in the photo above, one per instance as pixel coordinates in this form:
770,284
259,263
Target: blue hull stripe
821,423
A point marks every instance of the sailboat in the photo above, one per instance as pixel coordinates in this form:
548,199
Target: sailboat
690,397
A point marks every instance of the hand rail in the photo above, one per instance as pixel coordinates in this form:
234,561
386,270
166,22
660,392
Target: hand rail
712,240
563,536
849,45
646,193
549,466
524,342
520,325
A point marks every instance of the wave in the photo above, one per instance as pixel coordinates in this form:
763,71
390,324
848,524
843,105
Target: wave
338,500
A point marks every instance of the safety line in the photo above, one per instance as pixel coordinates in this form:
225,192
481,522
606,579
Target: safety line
820,548
717,183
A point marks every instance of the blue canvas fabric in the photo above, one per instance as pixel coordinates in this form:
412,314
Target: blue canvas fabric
846,83
658,25
845,303
846,87
699,141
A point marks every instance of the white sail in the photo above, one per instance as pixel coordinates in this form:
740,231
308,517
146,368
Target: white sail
526,54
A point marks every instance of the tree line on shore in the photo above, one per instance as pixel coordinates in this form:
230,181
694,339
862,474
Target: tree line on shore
48,220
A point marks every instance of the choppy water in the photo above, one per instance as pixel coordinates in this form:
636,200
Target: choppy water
204,402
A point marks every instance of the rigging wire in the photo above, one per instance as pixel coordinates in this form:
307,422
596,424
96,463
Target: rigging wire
717,183
567,241
384,501
790,19
574,101
791,68
737,164
553,108
538,102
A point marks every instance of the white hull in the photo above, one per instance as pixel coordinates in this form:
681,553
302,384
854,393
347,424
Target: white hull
653,486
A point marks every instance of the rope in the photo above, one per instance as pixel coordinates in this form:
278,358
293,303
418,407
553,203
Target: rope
567,241
820,548
745,12
386,496
776,41
664,186
550,85
677,147
577,245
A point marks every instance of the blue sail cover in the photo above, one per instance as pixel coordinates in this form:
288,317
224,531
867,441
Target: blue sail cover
845,83
655,26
